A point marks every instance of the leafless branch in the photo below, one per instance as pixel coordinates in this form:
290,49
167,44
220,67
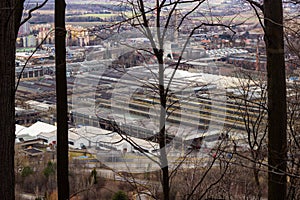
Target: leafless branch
31,11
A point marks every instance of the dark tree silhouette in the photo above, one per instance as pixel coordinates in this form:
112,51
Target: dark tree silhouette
277,120
62,106
7,100
10,21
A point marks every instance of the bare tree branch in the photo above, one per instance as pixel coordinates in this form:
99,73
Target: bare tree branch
32,10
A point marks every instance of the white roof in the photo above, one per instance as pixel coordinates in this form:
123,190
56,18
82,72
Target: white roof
72,136
87,132
90,131
47,135
117,140
19,128
204,78
144,143
39,106
37,128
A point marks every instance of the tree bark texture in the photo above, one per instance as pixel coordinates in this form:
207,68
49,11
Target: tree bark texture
61,101
7,99
277,119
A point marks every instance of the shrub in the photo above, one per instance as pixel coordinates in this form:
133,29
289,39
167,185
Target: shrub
120,195
49,170
26,171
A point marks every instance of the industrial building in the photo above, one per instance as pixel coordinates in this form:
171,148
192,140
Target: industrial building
26,116
198,103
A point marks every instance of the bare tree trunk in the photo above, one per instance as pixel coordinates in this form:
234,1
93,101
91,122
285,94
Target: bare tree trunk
61,101
7,99
277,120
257,181
162,129
18,15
